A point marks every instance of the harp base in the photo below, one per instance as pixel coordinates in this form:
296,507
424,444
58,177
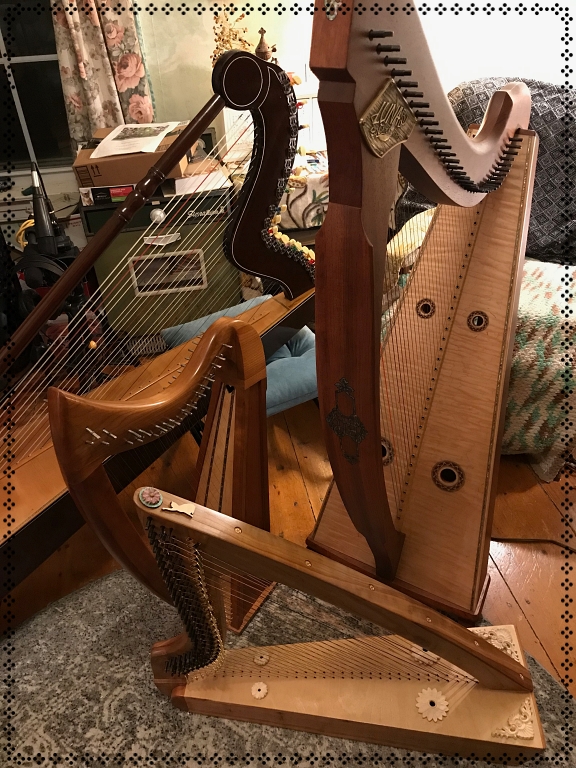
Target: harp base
377,707
335,537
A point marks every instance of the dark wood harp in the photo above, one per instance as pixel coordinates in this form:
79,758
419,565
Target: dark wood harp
41,517
425,397
230,473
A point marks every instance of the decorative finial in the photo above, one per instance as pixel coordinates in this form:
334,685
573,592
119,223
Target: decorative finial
263,50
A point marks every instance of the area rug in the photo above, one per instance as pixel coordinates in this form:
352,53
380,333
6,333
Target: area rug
79,691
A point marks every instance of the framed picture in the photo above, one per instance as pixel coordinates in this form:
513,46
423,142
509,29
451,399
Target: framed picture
168,272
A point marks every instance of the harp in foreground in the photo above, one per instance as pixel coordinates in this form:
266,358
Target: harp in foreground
431,686
413,395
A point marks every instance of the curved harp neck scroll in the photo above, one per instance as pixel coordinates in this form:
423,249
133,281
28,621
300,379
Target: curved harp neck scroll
86,432
242,82
247,82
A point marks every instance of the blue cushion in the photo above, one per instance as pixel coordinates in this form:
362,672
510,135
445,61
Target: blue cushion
179,334
291,370
291,373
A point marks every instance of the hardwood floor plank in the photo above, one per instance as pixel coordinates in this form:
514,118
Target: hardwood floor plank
535,575
525,507
501,607
305,431
291,514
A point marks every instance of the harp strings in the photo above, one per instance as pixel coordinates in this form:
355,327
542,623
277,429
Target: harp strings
395,655
44,433
110,284
413,343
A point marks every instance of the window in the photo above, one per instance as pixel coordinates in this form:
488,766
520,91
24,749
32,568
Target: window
34,124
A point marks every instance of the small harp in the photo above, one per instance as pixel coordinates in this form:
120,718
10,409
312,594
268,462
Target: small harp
431,686
412,402
107,351
231,470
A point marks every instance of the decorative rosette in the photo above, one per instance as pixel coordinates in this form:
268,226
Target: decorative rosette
432,704
259,690
150,497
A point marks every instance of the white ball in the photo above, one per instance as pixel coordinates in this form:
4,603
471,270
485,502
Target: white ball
157,215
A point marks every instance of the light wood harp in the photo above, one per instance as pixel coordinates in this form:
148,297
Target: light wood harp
413,395
431,685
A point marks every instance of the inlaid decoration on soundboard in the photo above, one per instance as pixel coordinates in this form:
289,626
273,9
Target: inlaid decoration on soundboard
344,422
425,308
448,476
477,321
388,121
387,452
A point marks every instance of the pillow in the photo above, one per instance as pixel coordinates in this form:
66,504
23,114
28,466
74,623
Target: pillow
552,230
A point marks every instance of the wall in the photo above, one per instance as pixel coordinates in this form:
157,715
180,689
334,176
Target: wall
179,49
464,46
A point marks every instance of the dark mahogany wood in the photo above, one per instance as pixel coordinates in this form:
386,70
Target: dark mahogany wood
349,290
247,82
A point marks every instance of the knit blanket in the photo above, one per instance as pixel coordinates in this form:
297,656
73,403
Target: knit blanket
542,392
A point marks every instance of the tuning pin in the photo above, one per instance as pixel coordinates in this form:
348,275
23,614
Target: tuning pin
93,344
283,208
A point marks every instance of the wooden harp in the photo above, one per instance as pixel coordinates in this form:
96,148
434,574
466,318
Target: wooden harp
412,407
231,470
124,362
431,685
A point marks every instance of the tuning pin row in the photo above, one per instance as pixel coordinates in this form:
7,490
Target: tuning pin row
282,237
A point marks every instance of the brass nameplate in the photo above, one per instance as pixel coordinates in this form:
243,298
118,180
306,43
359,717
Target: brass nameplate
388,121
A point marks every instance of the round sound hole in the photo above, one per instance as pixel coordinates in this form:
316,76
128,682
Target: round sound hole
387,452
448,476
425,308
477,321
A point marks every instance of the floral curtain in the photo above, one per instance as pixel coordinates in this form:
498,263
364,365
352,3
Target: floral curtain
102,68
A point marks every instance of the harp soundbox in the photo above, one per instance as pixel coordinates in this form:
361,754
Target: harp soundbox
431,685
413,398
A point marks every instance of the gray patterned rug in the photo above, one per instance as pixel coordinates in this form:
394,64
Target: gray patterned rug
80,691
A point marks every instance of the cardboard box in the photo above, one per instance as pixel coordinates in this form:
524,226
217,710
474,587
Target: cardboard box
125,169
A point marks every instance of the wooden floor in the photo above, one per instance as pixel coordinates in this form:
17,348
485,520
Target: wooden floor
530,582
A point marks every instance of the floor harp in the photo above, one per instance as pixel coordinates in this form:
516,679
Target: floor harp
431,685
129,366
412,406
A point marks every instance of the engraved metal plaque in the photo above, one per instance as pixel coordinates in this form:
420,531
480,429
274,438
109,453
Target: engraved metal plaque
388,121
